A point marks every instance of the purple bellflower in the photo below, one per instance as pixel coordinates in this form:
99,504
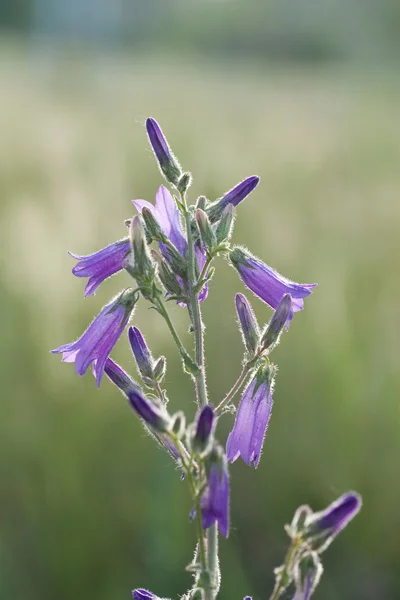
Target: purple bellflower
152,414
322,527
233,197
96,343
248,323
215,499
267,283
167,214
141,352
247,436
141,594
203,429
167,161
102,264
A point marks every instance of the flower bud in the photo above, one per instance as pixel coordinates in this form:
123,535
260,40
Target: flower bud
297,525
166,275
248,323
234,197
141,352
202,436
282,315
307,575
160,368
143,269
168,163
225,225
152,226
206,232
178,424
184,182
322,527
201,202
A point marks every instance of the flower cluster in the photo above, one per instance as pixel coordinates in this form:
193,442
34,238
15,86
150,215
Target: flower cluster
168,253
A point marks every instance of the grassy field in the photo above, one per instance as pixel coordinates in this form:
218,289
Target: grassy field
81,514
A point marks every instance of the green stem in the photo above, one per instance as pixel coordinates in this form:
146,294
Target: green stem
163,311
235,388
205,268
284,577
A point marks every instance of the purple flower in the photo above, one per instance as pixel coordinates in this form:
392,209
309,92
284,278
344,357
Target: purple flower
154,415
307,575
321,527
96,343
201,441
281,317
102,264
234,197
215,499
168,217
248,323
168,163
267,283
141,594
141,352
247,436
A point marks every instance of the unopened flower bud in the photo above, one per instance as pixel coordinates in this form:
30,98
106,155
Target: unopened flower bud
166,275
159,368
322,527
224,228
298,523
184,182
248,323
202,436
206,232
143,268
168,163
234,197
307,574
282,316
152,226
201,202
178,424
141,352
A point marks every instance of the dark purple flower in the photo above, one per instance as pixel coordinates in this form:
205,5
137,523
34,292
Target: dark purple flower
247,436
168,163
141,352
248,323
203,429
102,264
154,415
267,283
321,527
281,317
215,499
168,217
141,594
234,197
96,343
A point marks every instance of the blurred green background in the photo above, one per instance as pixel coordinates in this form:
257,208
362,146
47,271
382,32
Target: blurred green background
305,94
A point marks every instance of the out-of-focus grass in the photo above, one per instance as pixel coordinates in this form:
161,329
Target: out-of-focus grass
88,508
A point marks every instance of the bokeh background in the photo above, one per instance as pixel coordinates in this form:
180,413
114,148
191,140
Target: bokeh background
305,94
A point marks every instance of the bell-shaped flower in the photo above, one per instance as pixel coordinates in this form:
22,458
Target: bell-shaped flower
267,283
167,161
96,343
141,352
102,264
215,499
167,215
247,436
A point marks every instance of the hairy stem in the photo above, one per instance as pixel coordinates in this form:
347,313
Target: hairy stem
162,309
284,577
234,390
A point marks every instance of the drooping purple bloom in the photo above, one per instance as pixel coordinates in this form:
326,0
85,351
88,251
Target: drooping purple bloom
168,216
154,415
215,499
234,197
247,436
267,283
102,264
248,323
322,527
141,352
141,594
167,161
281,317
96,343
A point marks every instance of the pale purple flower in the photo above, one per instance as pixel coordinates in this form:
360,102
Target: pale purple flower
101,264
96,343
247,436
154,415
267,283
233,197
168,217
215,499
